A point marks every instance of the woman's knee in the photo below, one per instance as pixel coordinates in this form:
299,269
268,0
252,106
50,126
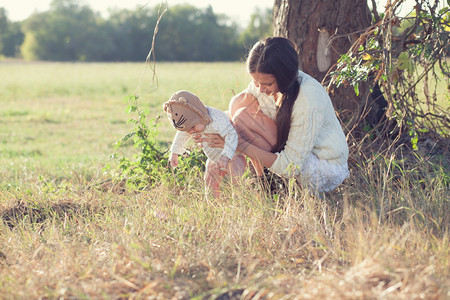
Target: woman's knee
249,121
242,100
243,124
241,117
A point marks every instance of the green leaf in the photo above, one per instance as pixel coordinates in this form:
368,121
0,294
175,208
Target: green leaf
403,61
131,108
356,88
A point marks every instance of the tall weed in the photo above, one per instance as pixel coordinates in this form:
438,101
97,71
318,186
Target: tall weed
149,166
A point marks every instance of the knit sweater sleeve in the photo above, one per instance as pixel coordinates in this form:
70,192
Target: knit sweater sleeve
231,142
307,120
179,141
226,130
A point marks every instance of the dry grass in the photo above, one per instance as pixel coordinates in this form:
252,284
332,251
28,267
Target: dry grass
175,244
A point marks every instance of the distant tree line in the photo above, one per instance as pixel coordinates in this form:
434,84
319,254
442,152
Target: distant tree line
69,31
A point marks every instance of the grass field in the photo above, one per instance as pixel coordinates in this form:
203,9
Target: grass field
382,235
60,117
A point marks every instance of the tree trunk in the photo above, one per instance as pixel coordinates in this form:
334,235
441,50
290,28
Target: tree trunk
310,24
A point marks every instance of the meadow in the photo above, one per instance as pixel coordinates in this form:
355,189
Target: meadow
69,231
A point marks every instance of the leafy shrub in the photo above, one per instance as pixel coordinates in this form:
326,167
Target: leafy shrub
399,55
149,166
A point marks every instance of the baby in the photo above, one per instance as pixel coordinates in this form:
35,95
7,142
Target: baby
189,116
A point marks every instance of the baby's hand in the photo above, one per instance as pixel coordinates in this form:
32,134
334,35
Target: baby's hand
223,163
173,160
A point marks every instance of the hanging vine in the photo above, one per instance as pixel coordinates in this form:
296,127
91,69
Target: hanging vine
407,58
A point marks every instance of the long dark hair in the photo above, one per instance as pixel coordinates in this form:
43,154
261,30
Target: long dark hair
277,56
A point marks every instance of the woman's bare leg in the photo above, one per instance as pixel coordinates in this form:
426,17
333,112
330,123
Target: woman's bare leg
245,121
252,125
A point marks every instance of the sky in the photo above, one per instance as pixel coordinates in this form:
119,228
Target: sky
237,10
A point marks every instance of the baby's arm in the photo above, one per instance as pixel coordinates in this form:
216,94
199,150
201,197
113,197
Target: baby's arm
230,142
177,148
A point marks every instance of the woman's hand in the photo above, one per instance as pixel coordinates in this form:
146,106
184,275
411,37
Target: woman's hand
212,139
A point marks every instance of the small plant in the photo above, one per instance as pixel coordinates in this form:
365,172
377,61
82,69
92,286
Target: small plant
149,166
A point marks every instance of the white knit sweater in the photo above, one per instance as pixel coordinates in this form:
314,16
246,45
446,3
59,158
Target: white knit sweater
314,127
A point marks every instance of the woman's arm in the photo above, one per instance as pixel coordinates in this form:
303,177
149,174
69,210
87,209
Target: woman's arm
257,132
266,158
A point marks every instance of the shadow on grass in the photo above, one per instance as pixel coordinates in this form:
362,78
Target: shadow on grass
38,214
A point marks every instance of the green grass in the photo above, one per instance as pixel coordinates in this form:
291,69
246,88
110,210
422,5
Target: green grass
63,115
68,232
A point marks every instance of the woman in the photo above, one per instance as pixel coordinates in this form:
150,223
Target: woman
286,121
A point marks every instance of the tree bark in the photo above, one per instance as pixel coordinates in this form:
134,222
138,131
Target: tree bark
310,24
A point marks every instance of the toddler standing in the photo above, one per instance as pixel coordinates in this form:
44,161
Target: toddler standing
188,116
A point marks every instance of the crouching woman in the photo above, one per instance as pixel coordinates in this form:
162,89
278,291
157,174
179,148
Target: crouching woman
286,121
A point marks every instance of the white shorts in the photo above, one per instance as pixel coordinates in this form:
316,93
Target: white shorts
320,175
